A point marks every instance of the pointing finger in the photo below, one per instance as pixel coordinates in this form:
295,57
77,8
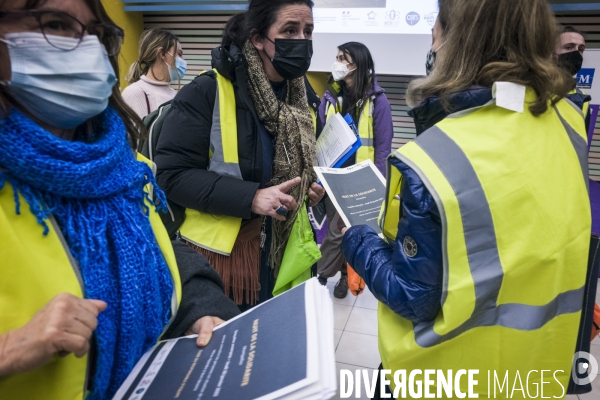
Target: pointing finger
286,186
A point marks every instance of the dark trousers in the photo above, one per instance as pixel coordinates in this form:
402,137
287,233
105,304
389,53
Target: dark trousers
333,260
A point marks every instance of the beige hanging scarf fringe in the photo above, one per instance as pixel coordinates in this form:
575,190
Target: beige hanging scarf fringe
291,124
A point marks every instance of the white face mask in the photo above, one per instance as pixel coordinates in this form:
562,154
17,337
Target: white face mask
339,71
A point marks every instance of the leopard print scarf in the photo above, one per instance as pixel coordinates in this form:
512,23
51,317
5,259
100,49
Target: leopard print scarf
291,124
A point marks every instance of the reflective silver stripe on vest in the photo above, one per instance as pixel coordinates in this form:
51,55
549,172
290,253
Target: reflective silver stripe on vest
579,110
579,144
482,249
367,141
217,162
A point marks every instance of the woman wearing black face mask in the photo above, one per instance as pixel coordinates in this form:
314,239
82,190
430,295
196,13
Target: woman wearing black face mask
237,149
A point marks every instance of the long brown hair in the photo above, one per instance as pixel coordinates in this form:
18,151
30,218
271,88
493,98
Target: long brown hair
154,42
364,74
133,124
487,41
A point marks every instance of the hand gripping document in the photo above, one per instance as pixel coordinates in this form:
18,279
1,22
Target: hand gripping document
357,192
280,349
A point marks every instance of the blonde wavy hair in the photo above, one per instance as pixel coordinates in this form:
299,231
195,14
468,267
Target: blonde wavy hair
487,41
154,42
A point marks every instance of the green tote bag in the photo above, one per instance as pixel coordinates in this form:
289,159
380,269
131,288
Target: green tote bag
301,252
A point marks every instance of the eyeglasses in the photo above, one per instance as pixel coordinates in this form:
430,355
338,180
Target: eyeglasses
55,25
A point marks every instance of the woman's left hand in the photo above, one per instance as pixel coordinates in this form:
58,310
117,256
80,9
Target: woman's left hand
204,328
315,194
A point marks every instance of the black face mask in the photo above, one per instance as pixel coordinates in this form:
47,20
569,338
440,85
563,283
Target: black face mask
292,57
572,61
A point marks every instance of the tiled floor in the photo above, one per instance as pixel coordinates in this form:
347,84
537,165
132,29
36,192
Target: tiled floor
356,336
355,331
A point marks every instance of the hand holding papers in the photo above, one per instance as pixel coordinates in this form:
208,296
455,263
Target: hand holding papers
336,143
357,192
281,349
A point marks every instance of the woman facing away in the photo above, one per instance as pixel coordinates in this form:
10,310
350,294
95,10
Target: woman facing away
90,280
352,89
238,139
487,216
160,62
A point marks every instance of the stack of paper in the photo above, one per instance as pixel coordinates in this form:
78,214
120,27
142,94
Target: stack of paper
281,349
357,192
336,141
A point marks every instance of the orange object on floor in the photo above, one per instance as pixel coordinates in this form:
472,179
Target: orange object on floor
595,324
356,284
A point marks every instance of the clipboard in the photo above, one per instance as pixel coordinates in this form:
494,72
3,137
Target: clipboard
355,146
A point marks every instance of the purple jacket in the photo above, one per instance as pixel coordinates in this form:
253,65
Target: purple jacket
383,129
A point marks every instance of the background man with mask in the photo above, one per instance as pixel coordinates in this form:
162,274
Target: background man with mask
569,52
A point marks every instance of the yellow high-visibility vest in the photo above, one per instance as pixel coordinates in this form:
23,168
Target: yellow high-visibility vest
35,268
364,124
218,233
512,194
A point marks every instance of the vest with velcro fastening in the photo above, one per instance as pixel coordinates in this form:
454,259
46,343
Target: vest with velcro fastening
511,190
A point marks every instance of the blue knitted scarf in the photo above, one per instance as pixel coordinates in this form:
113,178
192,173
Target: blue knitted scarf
96,192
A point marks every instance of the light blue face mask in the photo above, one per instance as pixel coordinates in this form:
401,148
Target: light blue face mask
180,65
61,88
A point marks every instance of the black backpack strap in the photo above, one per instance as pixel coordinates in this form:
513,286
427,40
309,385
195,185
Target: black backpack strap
147,102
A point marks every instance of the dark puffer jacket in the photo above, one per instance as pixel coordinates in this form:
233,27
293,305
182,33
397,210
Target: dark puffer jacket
182,154
411,287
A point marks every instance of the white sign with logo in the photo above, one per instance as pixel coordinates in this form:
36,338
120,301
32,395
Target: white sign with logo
375,16
588,79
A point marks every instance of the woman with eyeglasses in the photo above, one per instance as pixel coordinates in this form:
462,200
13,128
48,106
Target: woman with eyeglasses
160,63
89,278
352,89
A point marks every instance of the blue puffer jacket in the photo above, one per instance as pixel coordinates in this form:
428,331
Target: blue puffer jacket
411,287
